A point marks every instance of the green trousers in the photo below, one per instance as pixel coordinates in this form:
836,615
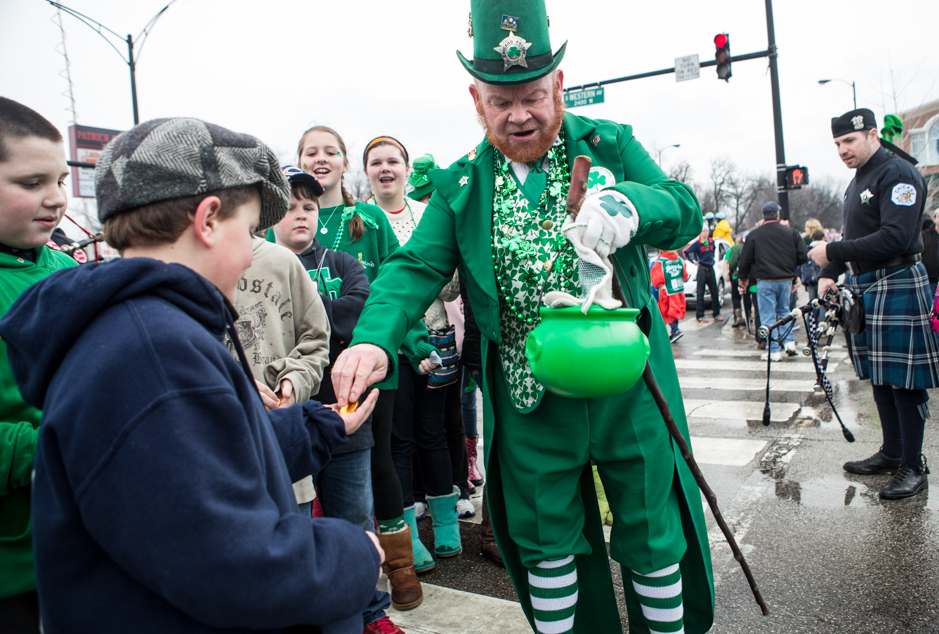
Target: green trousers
542,455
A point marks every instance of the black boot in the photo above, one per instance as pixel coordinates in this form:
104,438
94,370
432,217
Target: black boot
878,463
907,483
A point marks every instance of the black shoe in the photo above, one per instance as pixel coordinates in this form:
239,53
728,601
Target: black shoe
878,463
675,336
907,483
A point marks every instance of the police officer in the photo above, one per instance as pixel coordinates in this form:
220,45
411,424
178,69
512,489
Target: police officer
880,251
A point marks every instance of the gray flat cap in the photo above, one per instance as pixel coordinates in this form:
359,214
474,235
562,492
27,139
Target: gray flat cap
165,159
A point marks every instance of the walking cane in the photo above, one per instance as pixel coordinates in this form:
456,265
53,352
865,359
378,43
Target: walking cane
575,198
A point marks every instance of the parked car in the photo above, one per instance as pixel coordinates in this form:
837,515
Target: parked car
720,273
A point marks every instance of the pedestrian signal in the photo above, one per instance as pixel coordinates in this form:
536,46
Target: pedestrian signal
796,177
722,56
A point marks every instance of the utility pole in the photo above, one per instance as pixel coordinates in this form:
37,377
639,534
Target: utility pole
130,61
781,188
133,76
781,192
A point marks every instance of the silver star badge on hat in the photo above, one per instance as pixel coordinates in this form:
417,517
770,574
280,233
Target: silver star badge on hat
513,50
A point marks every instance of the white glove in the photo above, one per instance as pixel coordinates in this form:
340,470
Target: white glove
606,222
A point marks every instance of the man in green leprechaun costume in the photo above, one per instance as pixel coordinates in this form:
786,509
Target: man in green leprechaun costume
499,215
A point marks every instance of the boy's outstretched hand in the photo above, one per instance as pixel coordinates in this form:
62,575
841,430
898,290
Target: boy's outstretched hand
354,419
357,368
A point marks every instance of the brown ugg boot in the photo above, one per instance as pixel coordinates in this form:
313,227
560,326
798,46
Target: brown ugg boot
406,592
487,539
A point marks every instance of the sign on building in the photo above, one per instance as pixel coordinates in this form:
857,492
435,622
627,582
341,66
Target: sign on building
687,67
86,145
583,97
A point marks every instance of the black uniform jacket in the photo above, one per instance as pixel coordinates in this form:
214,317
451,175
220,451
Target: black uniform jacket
882,210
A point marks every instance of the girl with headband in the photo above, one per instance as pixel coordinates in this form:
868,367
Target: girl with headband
419,405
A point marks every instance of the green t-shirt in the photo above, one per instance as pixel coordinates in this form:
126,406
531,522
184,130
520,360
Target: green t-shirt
19,429
371,249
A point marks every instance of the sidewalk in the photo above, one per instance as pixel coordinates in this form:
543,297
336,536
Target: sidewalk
446,611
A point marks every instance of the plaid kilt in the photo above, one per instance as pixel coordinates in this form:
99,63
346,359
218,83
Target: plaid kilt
898,347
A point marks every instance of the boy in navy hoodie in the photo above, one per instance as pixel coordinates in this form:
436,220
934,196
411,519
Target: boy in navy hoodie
162,498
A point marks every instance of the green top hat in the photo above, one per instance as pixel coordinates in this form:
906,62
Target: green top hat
511,44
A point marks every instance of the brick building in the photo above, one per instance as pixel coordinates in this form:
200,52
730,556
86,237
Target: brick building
921,140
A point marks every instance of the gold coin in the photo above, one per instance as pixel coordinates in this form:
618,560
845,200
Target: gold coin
547,224
348,408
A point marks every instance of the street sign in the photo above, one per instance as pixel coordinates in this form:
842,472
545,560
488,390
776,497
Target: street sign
86,145
583,97
687,67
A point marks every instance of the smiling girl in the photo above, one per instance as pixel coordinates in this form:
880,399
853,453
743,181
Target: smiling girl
363,231
418,409
343,225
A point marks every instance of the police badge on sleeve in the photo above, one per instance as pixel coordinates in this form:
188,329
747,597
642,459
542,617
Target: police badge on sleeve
903,195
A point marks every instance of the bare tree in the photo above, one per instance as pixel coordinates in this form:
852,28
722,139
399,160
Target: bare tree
716,195
357,183
682,173
820,200
745,198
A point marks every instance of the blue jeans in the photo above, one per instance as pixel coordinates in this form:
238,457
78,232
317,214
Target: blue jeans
773,300
469,405
344,488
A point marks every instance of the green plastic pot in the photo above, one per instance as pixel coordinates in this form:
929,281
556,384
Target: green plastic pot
600,354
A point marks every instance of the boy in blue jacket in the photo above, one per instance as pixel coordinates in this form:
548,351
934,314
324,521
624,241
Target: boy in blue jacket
162,498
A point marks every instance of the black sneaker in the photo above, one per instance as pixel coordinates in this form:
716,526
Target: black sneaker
878,463
675,336
906,483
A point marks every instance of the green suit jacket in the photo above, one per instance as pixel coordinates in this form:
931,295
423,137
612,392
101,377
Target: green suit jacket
456,231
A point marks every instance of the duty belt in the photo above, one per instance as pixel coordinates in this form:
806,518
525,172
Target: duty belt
858,268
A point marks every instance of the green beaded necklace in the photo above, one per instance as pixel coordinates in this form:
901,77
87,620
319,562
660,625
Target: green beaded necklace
512,219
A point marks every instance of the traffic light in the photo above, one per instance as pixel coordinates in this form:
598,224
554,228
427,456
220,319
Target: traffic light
796,176
722,55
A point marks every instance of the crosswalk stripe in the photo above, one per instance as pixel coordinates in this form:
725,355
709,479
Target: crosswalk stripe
739,410
733,452
786,365
835,353
748,385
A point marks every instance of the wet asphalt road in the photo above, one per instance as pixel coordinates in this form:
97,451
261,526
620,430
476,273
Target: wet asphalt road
828,555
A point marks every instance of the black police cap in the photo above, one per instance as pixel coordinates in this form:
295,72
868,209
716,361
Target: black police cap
853,121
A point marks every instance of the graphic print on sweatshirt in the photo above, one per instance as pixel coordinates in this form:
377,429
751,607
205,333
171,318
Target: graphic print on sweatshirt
256,321
327,284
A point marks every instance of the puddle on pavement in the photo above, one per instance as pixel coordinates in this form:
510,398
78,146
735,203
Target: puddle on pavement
835,492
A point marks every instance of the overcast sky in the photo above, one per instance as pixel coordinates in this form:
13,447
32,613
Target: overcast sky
369,68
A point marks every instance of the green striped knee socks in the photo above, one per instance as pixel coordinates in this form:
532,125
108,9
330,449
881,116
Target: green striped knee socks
553,589
659,595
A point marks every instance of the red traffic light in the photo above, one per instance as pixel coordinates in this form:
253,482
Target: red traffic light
722,56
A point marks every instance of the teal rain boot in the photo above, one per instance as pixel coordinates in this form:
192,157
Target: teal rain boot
446,527
423,562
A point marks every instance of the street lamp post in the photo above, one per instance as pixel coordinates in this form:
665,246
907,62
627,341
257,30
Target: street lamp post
130,61
843,81
659,152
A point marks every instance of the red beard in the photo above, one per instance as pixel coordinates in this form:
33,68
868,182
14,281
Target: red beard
525,153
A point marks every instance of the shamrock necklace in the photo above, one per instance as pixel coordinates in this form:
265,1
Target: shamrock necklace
513,246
